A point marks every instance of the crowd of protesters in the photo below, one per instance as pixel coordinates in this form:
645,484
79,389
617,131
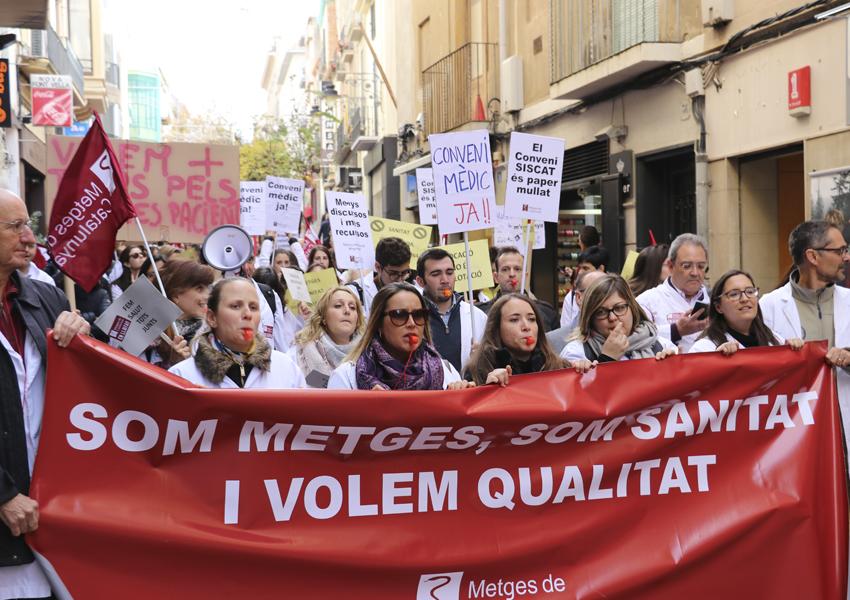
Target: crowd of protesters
395,327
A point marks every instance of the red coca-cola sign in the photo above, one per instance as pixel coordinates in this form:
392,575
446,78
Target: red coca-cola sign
52,100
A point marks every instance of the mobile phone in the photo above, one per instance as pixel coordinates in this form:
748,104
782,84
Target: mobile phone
699,306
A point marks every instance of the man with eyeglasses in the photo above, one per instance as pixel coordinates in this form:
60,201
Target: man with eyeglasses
558,337
451,318
392,265
679,305
27,309
810,306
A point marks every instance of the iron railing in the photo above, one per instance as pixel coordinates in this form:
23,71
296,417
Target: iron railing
46,43
585,32
458,87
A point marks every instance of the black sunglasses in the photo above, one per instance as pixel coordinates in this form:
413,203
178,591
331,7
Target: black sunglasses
399,316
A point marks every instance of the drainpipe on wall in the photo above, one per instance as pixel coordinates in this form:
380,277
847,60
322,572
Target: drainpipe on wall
701,168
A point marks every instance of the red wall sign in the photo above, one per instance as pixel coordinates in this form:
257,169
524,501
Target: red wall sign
800,91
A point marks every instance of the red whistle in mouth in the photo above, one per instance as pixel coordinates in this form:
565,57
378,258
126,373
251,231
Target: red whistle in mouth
247,335
514,282
414,339
529,341
446,293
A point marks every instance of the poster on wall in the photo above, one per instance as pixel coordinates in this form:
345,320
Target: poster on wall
830,190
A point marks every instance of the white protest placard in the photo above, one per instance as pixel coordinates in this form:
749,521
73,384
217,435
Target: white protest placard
296,285
534,177
352,234
463,180
137,317
284,203
252,207
510,232
427,197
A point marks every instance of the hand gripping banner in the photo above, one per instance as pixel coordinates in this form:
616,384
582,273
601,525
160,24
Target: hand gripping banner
700,476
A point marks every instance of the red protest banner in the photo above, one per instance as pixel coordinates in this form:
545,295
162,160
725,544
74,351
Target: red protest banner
715,478
91,205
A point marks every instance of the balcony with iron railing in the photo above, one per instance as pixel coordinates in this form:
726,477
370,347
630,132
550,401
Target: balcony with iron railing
48,54
597,44
457,88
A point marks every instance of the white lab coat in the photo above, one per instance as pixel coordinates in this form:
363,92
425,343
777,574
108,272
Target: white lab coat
574,350
706,345
35,273
27,580
570,310
370,290
467,318
344,376
284,374
665,305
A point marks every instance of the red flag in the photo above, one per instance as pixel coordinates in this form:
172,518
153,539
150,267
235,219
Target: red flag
90,207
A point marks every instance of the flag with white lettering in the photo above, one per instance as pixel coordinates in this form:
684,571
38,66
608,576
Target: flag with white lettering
91,205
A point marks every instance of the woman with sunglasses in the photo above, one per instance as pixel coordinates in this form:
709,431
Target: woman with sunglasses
395,352
132,259
612,326
734,318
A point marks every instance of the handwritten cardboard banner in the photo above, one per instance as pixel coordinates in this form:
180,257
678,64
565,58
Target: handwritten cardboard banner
352,235
463,180
284,205
534,177
427,196
417,236
319,282
296,286
180,191
252,207
479,255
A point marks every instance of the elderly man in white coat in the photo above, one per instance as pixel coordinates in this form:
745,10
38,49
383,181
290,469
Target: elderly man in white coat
810,306
679,305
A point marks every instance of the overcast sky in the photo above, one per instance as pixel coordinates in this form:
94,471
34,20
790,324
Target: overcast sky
212,53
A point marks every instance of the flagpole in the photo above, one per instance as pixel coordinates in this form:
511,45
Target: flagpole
527,241
469,283
150,257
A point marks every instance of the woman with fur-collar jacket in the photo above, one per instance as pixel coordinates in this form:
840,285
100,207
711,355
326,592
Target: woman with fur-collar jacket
229,353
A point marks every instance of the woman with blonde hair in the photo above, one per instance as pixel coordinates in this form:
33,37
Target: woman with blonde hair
395,352
331,333
612,326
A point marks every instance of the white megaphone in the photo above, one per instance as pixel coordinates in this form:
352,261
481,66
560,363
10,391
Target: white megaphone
227,248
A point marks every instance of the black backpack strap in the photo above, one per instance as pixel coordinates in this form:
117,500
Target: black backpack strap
356,285
269,294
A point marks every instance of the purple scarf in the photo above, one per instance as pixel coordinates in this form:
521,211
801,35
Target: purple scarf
376,366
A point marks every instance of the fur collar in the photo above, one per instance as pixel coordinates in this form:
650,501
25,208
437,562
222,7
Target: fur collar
214,364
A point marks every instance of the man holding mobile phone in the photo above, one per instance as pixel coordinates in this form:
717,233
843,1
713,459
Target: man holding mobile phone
679,305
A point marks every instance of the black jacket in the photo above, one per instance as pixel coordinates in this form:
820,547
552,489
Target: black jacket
551,318
39,304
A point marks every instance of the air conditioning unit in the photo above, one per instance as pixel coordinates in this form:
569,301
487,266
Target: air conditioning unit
717,12
38,42
513,97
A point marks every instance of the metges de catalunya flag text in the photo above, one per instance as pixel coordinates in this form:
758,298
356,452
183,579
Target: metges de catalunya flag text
697,477
91,205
